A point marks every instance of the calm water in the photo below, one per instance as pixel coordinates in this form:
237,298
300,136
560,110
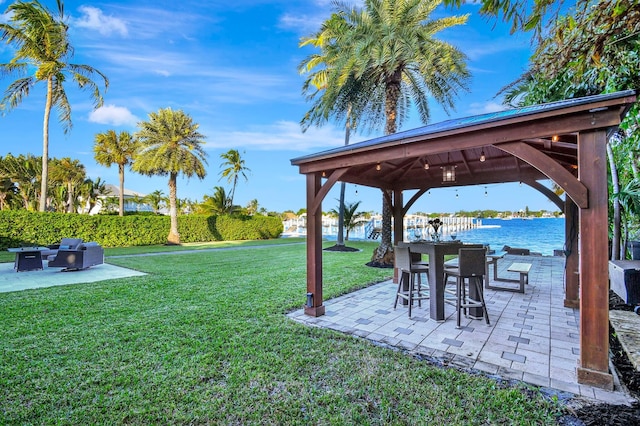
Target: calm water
538,235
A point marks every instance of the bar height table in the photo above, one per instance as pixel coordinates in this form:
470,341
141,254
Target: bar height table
436,252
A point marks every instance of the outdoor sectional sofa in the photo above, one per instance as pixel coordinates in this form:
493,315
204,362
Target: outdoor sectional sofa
82,256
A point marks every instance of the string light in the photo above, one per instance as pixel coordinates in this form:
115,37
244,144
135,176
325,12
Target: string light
485,191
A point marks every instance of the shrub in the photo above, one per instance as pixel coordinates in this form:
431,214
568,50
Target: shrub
25,228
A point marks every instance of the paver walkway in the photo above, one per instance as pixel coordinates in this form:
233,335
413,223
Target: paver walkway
532,336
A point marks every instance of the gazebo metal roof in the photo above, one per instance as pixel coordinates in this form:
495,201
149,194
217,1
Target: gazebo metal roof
399,161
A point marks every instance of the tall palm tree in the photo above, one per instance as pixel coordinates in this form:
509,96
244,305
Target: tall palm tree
42,48
170,144
71,174
233,168
353,93
390,46
111,148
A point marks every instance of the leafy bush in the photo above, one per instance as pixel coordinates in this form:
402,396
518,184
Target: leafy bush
24,228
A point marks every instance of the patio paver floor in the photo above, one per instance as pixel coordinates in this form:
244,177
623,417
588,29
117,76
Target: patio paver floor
533,337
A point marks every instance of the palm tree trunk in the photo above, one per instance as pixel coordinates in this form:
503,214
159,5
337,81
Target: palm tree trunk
174,236
347,134
615,183
45,146
121,197
69,208
383,255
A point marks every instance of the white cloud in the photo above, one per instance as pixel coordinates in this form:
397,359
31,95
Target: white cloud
282,135
302,24
486,107
111,114
93,18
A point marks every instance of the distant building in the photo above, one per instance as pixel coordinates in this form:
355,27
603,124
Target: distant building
132,201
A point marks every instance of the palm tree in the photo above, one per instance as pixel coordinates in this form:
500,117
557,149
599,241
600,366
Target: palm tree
234,169
352,217
42,48
170,144
26,172
111,148
156,199
353,92
91,190
70,173
8,190
390,46
218,203
252,207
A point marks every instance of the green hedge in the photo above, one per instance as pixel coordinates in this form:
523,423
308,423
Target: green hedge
20,227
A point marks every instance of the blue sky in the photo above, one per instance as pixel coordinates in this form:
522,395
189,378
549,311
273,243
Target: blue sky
232,66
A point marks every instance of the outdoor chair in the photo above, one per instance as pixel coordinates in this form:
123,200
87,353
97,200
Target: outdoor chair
471,268
81,257
408,288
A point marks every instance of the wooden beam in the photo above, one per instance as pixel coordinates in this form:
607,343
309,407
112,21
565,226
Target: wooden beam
314,247
324,190
552,196
565,180
593,366
413,199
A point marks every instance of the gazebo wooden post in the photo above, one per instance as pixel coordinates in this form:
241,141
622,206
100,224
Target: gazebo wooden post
398,225
314,247
572,264
593,367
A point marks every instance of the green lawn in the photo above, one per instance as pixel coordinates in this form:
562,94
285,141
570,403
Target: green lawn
203,339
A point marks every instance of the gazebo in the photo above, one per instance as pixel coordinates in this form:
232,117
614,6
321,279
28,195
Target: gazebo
562,141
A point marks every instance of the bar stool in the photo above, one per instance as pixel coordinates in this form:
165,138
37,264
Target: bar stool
408,290
472,267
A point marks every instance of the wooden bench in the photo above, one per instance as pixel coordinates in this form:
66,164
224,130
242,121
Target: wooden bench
523,269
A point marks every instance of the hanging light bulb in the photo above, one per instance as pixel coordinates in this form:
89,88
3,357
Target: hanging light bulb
457,196
426,166
485,191
482,157
378,167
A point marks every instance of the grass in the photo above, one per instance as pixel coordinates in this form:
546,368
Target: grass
203,339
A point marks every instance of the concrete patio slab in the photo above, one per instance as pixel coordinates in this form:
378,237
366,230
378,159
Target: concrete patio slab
10,280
